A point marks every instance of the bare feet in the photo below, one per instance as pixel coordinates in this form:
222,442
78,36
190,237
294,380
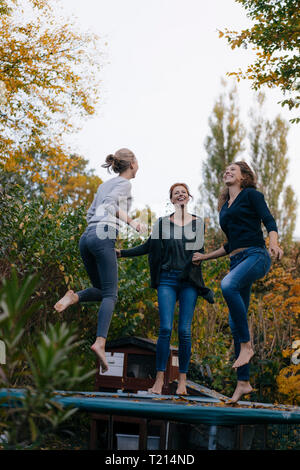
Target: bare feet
245,355
242,388
99,349
158,384
68,299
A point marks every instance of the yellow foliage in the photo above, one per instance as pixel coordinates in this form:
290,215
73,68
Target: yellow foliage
286,353
44,92
288,382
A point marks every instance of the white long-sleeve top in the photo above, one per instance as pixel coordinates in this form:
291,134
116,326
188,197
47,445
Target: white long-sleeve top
112,195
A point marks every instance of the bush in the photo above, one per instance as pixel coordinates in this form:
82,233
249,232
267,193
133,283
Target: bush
48,365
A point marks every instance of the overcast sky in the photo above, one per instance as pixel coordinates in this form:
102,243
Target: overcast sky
161,75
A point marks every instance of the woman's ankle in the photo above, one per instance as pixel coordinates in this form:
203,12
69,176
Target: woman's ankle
100,342
160,375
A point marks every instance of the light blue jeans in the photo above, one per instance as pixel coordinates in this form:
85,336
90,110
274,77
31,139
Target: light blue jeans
245,267
169,290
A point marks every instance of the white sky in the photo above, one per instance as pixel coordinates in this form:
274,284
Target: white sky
162,73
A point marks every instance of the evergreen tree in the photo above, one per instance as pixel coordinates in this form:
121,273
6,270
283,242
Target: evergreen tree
268,157
269,160
223,145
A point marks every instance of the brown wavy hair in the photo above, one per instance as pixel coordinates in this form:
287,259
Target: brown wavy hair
249,181
179,184
119,161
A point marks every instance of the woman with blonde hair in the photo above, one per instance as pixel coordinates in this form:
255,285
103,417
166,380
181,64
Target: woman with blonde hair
242,209
111,204
170,247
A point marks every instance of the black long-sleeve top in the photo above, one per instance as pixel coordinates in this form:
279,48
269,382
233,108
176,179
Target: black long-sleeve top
155,248
241,222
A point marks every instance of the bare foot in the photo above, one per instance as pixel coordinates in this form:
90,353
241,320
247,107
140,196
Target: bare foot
68,299
157,388
242,388
181,389
100,352
158,384
245,355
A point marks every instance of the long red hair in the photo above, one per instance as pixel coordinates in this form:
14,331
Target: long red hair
179,184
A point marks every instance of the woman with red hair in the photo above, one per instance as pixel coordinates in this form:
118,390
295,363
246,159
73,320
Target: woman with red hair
170,248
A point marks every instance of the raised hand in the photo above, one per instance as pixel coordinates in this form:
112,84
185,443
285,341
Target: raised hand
139,226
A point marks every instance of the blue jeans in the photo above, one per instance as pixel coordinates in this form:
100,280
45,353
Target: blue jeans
245,267
169,290
100,261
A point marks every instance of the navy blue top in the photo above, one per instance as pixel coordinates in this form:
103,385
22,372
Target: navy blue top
241,222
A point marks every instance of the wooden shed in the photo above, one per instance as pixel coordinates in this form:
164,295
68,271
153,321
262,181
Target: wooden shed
132,367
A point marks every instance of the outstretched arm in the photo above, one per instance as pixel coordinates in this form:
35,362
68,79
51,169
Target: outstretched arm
199,257
139,250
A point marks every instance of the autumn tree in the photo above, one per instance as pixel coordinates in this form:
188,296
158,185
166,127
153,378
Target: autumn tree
224,143
74,188
275,37
48,85
4,8
80,185
269,159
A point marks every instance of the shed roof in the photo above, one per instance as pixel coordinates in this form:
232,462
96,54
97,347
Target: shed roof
144,343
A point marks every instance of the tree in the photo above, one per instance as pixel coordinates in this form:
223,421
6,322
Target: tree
269,160
80,185
75,187
223,144
44,90
275,36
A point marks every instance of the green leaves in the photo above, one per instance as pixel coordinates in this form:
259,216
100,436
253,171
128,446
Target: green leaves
51,364
48,238
14,300
275,36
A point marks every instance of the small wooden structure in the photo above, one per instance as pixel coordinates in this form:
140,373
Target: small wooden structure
132,366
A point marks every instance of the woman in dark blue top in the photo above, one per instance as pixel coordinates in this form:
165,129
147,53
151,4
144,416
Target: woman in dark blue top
242,210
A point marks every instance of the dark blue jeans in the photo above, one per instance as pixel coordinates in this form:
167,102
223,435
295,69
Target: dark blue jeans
100,261
169,290
245,267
